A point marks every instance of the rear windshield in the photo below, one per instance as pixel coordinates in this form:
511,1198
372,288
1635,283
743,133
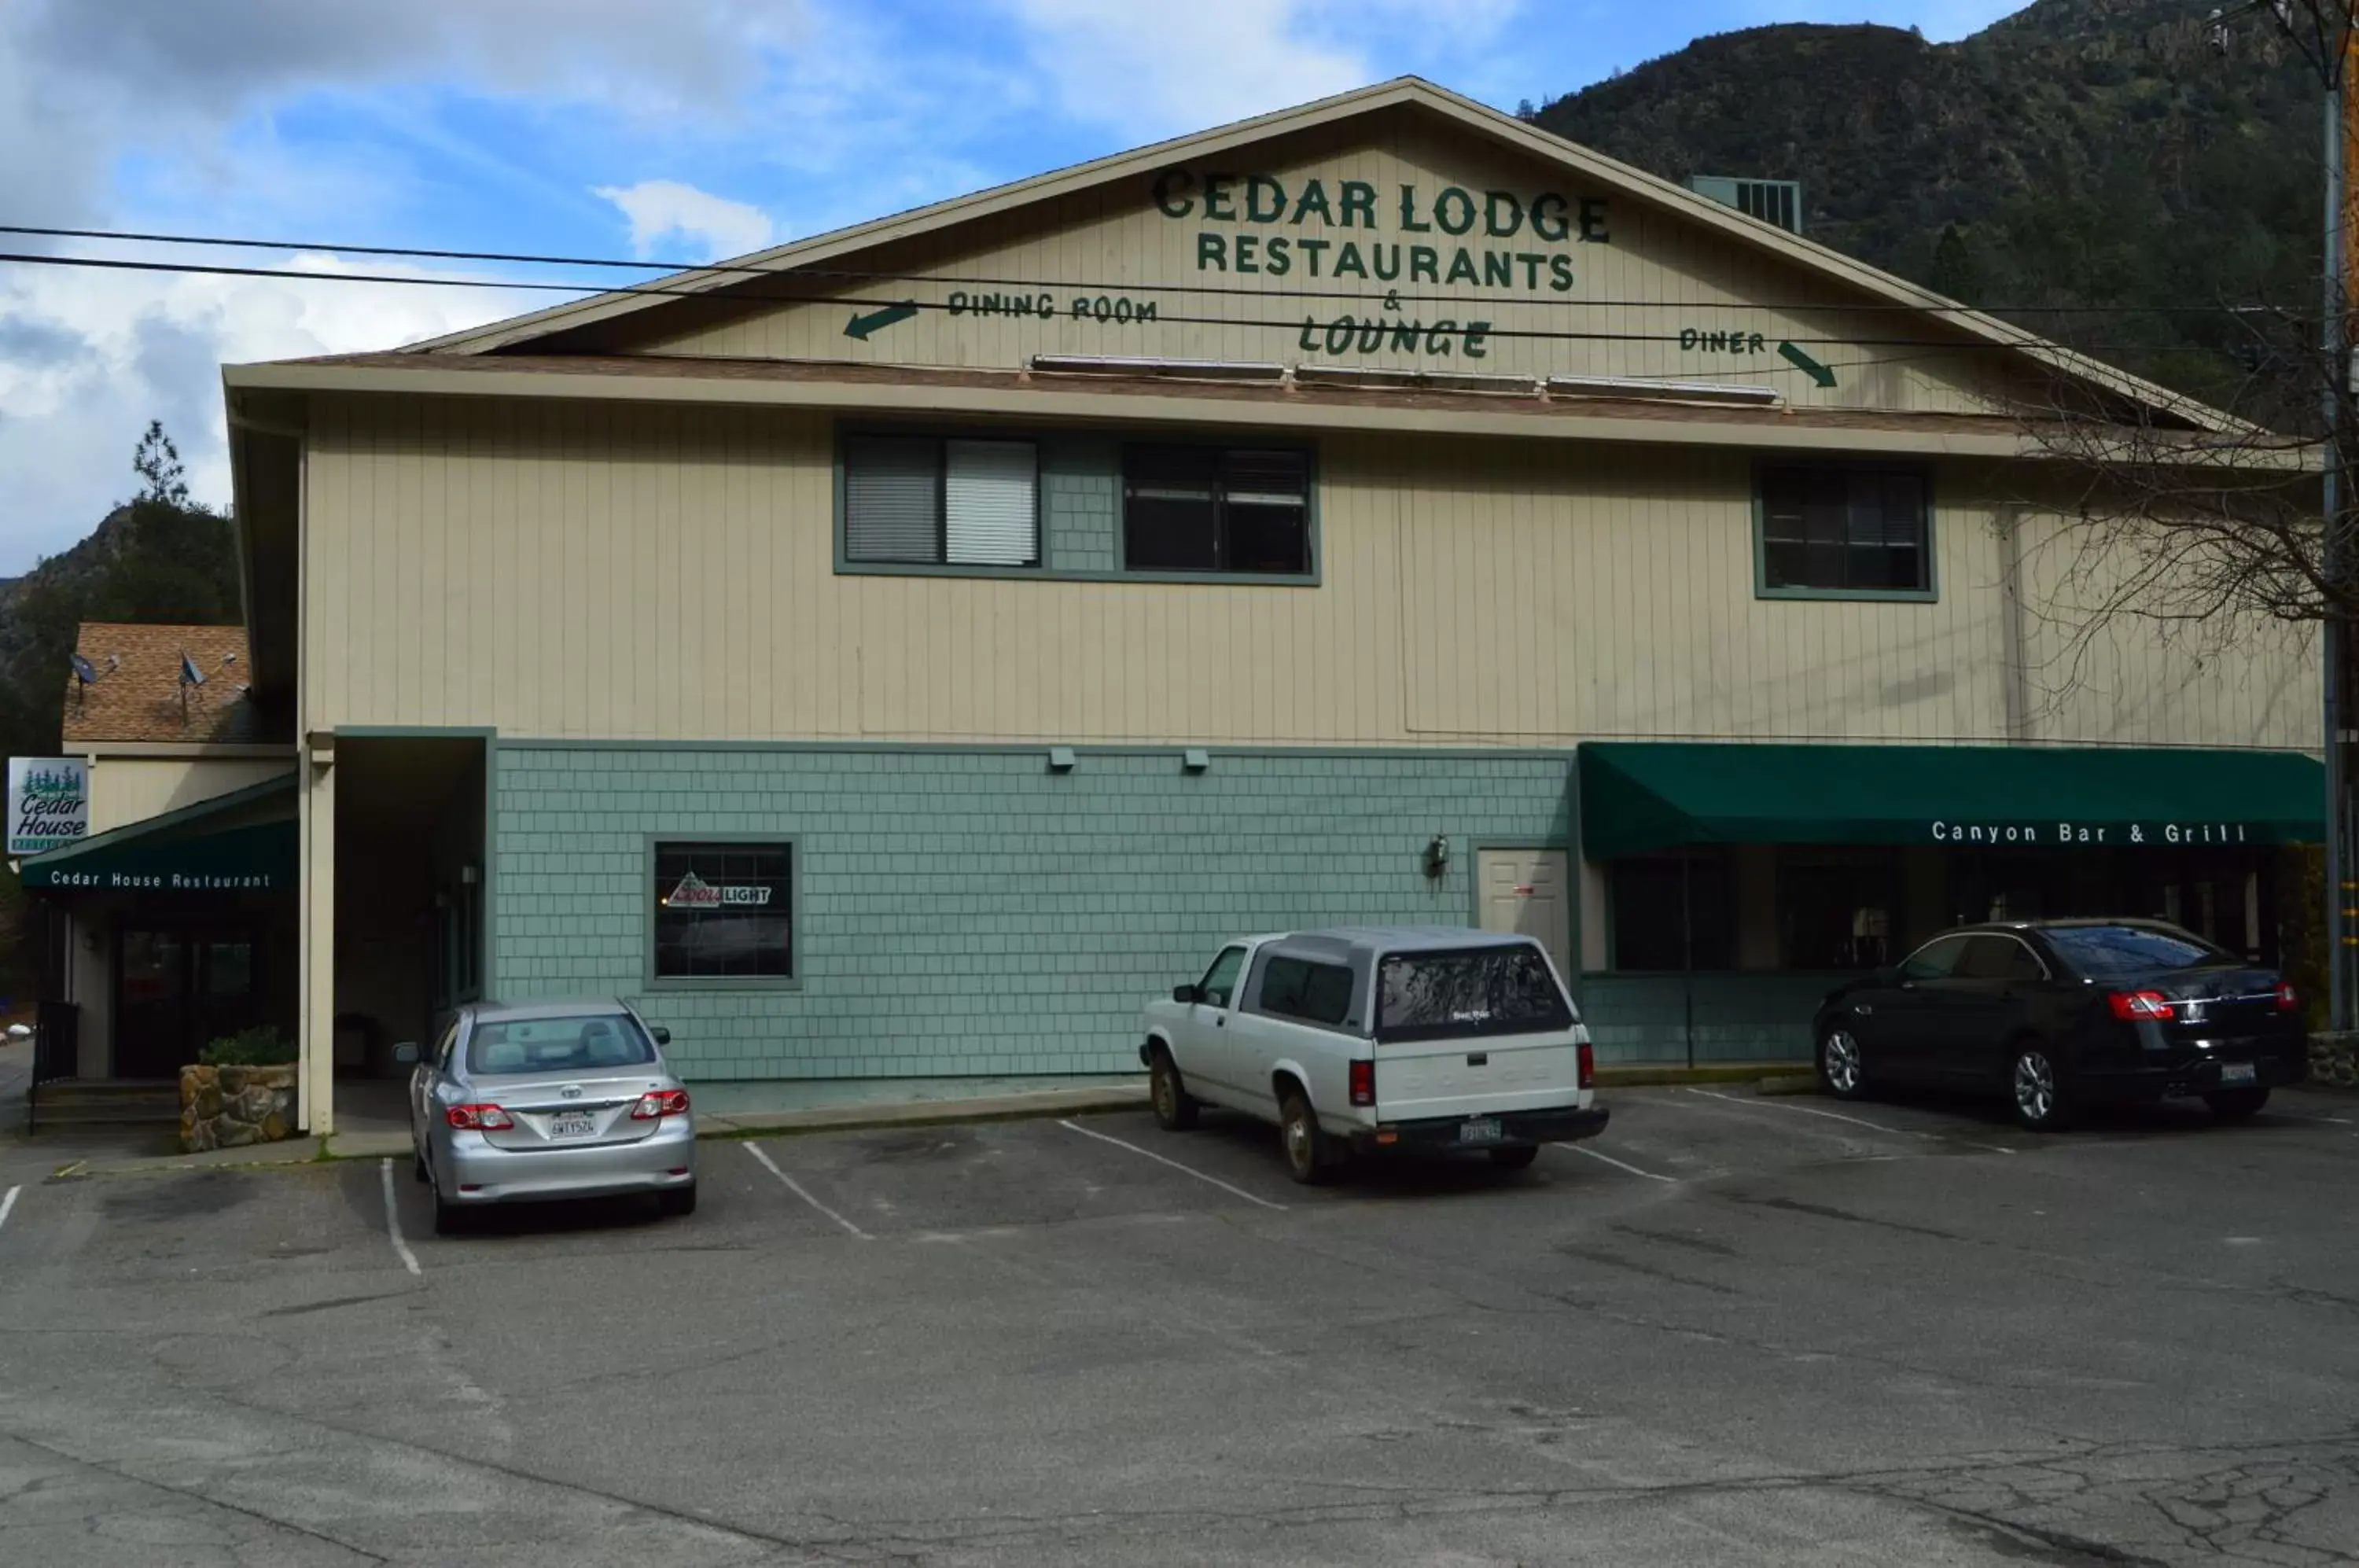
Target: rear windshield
2102,953
1489,990
559,1045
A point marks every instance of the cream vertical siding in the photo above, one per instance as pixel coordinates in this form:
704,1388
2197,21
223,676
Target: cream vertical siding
614,572
124,789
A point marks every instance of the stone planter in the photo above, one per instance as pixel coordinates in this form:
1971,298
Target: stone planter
226,1107
2334,1061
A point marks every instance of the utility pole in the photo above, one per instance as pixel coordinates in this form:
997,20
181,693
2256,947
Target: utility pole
2341,888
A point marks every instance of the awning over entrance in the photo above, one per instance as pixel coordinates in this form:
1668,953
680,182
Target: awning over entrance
232,844
1638,797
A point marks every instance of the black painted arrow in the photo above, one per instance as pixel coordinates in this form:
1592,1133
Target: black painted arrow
1805,363
860,326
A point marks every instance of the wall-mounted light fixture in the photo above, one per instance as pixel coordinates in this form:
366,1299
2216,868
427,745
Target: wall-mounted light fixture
1437,854
467,875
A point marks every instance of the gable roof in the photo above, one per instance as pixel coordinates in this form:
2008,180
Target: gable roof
518,332
136,696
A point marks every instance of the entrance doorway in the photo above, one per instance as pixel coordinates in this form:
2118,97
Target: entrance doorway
1523,892
179,985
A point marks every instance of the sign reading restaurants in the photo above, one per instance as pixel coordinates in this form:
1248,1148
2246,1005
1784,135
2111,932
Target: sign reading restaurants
49,802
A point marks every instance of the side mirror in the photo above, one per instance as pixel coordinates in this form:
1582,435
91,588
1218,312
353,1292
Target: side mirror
1186,993
406,1053
662,1035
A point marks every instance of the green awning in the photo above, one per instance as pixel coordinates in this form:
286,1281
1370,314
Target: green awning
1639,798
238,842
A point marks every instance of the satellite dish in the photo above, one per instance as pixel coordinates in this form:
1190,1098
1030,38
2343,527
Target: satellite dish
190,674
84,671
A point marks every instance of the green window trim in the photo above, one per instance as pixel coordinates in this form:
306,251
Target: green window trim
1762,587
791,981
1048,439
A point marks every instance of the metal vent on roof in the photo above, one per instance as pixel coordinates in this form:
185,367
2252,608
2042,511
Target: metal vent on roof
1660,391
1777,201
1197,369
1413,380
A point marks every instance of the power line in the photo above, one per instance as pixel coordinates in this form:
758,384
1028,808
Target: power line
855,274
1306,326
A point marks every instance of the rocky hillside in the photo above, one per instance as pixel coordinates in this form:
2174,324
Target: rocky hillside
2079,153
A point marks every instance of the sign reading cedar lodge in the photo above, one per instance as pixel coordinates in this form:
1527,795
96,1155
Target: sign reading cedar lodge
49,802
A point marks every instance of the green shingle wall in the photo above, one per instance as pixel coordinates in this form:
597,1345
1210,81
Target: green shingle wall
1738,1018
969,911
1080,504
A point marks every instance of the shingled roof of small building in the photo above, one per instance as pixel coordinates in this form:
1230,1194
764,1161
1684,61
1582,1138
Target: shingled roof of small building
136,696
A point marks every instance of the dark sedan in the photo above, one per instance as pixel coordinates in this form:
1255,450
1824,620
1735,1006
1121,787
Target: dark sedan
2062,1014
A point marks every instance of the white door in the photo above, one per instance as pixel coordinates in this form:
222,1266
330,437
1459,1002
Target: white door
1525,891
1205,1055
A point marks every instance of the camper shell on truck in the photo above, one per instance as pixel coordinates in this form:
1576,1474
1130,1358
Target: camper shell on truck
1373,1039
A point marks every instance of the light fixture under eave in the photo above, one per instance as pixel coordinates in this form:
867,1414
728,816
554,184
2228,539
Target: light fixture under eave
1661,391
1192,369
1414,380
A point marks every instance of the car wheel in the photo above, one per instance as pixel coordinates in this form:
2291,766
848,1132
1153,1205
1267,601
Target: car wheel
450,1219
2233,1105
2037,1089
1516,1158
1175,1111
677,1203
1842,1065
1304,1145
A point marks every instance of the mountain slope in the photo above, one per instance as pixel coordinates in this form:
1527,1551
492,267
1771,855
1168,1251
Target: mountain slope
2080,153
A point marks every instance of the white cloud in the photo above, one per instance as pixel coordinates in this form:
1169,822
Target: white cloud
87,358
660,210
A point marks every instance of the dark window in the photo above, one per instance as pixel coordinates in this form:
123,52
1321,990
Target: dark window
1649,932
1301,988
1201,508
1220,982
1996,958
1490,990
559,1045
2104,952
1836,910
1845,529
724,912
1936,960
927,501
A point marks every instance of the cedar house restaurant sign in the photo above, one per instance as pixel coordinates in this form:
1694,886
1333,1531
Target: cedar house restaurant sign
48,804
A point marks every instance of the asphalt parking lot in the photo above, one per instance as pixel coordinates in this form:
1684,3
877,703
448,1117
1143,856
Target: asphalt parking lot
1734,1329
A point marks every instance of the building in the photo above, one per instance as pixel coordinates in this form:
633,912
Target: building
906,650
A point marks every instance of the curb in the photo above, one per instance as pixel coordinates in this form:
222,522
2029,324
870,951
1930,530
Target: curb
1641,1076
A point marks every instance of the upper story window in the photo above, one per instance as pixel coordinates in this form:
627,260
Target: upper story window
931,501
1221,510
1834,531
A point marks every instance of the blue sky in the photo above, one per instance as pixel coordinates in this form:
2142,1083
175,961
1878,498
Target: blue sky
684,129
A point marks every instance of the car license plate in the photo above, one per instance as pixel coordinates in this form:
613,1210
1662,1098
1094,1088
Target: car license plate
1481,1130
2236,1072
572,1123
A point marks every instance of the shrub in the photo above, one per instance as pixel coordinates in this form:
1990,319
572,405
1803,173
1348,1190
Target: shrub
263,1047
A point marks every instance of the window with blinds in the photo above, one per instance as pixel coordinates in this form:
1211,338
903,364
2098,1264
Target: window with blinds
1202,509
1844,531
931,501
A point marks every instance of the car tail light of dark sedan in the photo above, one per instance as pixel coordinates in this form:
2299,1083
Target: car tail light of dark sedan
479,1118
2288,1000
662,1102
2134,1007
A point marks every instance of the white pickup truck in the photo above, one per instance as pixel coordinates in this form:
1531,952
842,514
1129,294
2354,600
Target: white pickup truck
1366,1040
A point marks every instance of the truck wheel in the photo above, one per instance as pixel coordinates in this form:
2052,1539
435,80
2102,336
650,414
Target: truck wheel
1298,1134
1516,1158
1174,1110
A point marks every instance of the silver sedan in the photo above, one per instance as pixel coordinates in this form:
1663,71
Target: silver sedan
544,1100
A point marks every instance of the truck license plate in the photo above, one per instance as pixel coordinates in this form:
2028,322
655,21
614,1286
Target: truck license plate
2236,1072
1481,1130
578,1124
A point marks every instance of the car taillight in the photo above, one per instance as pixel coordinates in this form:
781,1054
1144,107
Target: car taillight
1587,1064
1364,1083
2131,1006
662,1102
2288,1001
479,1118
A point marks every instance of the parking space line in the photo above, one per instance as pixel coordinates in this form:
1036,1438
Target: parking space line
1185,1170
9,1202
1856,1121
393,1220
1617,1165
797,1189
